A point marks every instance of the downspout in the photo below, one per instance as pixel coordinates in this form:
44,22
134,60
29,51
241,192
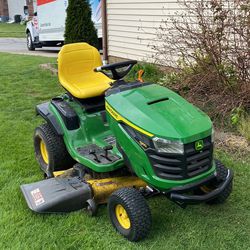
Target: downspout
104,32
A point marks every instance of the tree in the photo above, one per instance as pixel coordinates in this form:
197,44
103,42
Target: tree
79,24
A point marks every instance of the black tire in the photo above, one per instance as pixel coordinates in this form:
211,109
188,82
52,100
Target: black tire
58,156
30,44
222,172
137,211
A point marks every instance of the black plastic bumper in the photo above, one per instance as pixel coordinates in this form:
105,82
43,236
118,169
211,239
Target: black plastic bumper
179,195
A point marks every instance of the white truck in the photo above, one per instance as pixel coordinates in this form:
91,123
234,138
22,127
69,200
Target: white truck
46,29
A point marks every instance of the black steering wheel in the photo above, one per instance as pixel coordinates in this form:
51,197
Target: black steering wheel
117,75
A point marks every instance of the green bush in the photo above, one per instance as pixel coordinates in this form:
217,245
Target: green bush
244,127
208,44
79,25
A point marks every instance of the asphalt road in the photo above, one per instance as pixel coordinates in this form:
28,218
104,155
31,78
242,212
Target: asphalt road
18,46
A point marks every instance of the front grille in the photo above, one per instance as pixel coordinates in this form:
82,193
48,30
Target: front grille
179,167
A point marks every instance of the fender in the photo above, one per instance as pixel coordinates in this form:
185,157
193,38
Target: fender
30,29
45,113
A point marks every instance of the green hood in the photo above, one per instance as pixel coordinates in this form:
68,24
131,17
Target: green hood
162,113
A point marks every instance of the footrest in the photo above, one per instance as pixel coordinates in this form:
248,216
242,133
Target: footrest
99,155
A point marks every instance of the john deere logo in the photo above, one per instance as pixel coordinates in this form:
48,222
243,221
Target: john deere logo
199,145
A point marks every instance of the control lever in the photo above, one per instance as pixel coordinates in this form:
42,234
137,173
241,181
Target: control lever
140,74
106,149
93,152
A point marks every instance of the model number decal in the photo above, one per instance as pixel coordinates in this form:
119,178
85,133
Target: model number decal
37,197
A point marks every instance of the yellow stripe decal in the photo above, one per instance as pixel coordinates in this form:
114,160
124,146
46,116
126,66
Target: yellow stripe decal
118,117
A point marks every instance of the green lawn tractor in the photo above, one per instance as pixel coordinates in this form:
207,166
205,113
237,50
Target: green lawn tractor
107,141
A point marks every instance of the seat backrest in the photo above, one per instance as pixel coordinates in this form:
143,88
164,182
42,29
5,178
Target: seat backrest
77,59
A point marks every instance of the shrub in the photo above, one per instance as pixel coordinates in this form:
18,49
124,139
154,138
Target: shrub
244,127
79,25
209,44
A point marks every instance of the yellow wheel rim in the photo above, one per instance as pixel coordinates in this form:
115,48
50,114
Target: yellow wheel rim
44,152
122,216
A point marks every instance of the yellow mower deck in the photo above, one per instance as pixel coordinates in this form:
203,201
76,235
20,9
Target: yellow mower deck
67,192
103,188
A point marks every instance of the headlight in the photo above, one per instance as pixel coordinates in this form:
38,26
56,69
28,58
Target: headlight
167,146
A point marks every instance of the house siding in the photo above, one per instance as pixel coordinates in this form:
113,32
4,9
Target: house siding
16,8
132,26
10,8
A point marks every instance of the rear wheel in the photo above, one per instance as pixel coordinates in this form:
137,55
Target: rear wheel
129,213
30,44
50,151
222,172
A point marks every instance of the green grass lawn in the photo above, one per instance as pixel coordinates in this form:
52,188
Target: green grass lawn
12,30
23,86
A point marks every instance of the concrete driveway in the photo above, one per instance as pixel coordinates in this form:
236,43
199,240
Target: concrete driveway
18,46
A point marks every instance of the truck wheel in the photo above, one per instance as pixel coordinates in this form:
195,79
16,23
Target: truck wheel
221,176
129,213
30,44
50,151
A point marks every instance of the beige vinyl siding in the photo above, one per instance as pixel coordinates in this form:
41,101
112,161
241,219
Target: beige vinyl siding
132,26
16,8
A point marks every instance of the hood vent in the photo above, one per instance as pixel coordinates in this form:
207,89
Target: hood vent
159,100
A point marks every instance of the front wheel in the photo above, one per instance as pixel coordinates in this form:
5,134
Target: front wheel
30,44
129,213
222,172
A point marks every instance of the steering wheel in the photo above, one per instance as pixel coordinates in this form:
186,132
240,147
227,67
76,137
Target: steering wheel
117,75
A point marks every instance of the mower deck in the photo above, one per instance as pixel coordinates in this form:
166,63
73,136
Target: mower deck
66,193
69,192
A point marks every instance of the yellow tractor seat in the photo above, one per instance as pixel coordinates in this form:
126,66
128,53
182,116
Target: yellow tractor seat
76,64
